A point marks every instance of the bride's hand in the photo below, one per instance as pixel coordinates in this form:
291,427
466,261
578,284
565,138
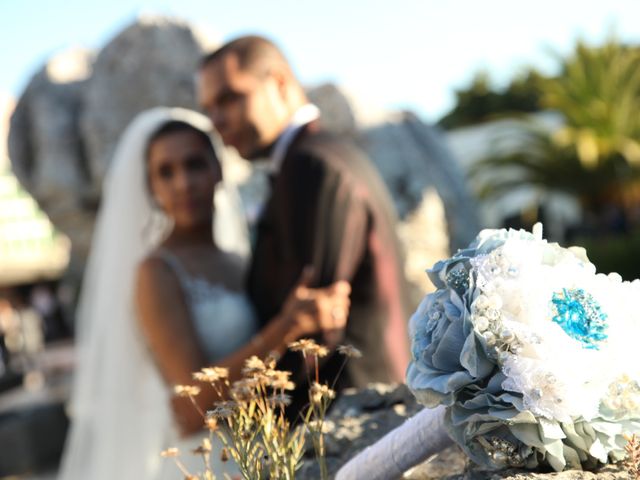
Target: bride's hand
318,310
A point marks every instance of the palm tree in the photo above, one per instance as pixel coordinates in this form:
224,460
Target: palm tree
545,161
595,156
598,94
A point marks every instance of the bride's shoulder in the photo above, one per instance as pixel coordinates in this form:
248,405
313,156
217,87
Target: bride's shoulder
158,292
154,272
153,261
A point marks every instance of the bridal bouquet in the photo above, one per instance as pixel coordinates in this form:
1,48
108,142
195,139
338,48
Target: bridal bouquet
531,353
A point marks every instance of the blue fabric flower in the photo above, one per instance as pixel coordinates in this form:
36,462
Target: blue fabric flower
446,353
452,365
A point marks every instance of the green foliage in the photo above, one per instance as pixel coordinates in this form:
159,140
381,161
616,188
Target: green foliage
527,155
614,253
598,94
481,102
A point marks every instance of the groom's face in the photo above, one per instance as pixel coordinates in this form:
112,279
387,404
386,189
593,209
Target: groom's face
246,106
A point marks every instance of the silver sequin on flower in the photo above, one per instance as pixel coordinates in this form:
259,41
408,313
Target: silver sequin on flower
458,279
502,452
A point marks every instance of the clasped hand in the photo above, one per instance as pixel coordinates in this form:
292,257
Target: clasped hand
318,310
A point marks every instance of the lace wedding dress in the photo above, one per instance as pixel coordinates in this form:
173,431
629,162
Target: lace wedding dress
224,321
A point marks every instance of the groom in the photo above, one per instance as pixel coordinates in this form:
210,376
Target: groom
328,208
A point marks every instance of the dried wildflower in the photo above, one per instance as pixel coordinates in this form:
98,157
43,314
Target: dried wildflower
309,347
279,380
242,394
321,351
224,455
170,453
283,385
281,400
322,426
349,351
272,360
303,345
320,392
211,423
222,410
220,413
268,374
199,377
200,450
186,390
249,384
204,447
253,365
632,461
211,374
255,429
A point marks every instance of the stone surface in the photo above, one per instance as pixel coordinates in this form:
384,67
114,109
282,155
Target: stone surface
359,418
336,108
609,472
413,158
425,236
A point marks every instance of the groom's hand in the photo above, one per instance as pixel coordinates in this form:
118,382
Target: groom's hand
333,320
318,310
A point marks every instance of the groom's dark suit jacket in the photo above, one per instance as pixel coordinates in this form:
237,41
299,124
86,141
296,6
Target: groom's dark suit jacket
329,208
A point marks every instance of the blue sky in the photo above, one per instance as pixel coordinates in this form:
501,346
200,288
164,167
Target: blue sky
395,53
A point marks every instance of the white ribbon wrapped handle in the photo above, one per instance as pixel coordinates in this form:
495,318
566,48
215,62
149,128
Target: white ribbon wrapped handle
408,445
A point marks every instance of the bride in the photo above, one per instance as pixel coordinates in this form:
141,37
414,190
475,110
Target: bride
162,298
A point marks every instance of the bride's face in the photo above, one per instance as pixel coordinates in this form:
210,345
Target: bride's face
183,172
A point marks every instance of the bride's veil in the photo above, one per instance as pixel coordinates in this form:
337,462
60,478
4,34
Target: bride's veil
120,406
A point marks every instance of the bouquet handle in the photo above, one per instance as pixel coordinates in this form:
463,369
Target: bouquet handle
409,444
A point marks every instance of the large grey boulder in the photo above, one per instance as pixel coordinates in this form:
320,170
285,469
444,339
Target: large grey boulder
150,63
337,110
45,146
413,159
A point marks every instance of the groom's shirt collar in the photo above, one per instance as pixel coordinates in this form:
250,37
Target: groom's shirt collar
303,116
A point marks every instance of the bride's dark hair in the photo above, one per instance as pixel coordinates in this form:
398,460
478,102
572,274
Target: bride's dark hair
174,126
